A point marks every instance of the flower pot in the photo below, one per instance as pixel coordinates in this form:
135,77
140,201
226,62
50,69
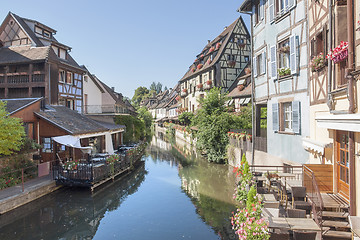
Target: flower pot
341,56
240,87
247,70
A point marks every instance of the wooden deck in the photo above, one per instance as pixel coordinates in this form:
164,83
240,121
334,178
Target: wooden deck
334,201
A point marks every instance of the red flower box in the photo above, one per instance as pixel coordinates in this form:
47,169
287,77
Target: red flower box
199,66
339,53
208,82
218,45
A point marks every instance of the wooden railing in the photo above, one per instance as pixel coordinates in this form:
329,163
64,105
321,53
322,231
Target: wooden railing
313,194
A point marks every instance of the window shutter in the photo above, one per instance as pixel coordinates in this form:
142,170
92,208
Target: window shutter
293,54
263,62
273,62
312,48
296,116
254,66
261,9
275,116
254,15
324,37
292,4
271,10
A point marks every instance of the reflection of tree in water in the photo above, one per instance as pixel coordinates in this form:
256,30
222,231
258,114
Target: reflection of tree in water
209,186
69,213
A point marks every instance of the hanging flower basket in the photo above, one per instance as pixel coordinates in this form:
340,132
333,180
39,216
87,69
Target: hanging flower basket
211,49
339,53
317,63
199,66
231,63
218,45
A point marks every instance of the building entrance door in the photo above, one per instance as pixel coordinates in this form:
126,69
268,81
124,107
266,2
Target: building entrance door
343,174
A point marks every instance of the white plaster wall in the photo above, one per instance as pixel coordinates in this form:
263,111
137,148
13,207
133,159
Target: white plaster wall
93,92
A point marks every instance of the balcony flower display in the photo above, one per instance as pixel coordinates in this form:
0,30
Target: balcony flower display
240,87
211,49
218,45
71,165
208,82
209,61
339,53
193,69
284,72
199,86
201,56
178,98
199,66
184,90
317,63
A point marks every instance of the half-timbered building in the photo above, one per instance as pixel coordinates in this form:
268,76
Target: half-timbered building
334,58
218,64
280,75
34,64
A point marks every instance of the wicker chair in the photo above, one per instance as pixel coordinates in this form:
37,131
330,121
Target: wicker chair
300,235
296,213
279,236
298,195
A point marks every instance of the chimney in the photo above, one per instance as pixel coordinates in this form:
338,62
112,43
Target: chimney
209,41
113,89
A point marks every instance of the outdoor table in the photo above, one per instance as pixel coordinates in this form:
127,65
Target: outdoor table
270,212
268,197
294,183
285,175
270,201
355,225
299,224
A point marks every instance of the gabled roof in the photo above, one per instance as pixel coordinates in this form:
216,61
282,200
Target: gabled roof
15,105
23,54
93,79
70,121
27,29
225,35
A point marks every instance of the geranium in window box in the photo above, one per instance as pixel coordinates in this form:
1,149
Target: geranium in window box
231,63
284,49
218,45
317,63
339,53
240,87
284,72
208,84
200,86
201,56
184,90
211,49
193,69
199,66
209,61
178,98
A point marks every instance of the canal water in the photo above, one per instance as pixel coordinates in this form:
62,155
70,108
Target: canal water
173,193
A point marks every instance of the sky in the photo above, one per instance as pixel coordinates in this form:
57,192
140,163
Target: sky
128,44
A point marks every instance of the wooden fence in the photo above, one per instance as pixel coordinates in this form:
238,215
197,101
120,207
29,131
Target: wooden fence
324,176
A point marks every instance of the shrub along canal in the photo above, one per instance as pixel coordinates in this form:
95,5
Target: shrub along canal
172,194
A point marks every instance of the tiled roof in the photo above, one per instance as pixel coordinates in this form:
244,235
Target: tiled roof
71,121
14,105
236,93
24,54
110,126
225,34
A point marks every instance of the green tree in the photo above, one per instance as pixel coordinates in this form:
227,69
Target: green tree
185,118
140,94
11,132
242,120
145,116
135,128
213,122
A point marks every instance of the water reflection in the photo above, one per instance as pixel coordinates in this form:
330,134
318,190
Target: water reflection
69,213
209,186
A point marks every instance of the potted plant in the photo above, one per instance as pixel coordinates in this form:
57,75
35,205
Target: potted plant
284,49
247,71
71,165
199,66
218,45
339,53
284,72
231,63
317,63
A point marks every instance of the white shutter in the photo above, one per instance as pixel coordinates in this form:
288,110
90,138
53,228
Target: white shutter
264,62
253,15
296,117
254,66
273,62
292,4
261,9
275,117
271,10
293,54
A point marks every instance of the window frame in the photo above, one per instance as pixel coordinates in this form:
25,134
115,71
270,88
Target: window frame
62,79
47,145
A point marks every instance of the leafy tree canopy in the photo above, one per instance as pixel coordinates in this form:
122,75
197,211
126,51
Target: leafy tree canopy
140,94
145,116
11,132
185,118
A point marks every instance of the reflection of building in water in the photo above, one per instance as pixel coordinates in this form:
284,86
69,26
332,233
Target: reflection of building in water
70,214
190,186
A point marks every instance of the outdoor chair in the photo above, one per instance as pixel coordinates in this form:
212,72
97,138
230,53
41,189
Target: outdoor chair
272,183
279,236
298,195
296,213
300,235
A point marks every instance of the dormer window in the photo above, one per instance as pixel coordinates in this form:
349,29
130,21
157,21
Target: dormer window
46,34
42,32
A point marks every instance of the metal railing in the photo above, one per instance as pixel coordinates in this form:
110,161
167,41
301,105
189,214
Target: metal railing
297,171
245,144
313,194
108,108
